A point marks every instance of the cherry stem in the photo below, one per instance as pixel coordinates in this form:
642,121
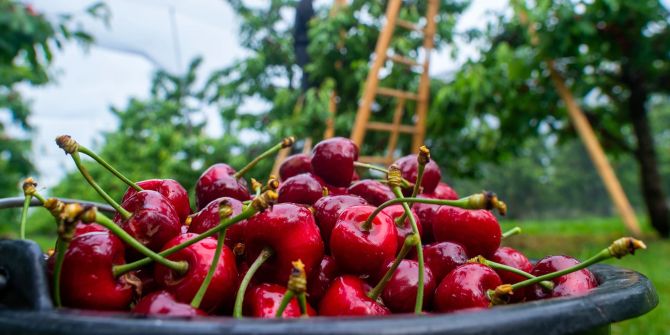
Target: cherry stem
109,167
411,241
302,302
61,248
181,266
84,172
423,158
40,197
246,213
24,215
197,299
499,266
405,182
239,299
284,303
285,143
513,231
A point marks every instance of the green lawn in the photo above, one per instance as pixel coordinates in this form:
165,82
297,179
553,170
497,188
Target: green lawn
583,238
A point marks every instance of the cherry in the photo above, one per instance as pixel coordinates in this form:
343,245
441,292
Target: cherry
164,303
219,181
443,257
328,209
431,175
399,294
372,191
426,213
304,188
87,280
294,165
347,296
153,222
466,288
333,160
513,258
404,228
572,284
290,231
320,279
363,250
476,230
444,191
208,218
199,257
263,301
170,189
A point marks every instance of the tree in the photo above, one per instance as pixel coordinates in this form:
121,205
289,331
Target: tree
614,54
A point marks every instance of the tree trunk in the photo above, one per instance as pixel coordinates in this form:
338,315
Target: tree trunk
650,178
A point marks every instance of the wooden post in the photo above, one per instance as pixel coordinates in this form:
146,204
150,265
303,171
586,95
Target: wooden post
424,82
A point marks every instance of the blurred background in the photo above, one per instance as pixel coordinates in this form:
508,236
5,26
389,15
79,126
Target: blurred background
163,89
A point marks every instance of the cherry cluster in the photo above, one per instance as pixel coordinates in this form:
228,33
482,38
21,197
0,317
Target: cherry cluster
315,241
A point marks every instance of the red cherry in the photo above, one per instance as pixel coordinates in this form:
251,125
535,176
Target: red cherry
431,173
170,189
576,283
444,191
263,301
426,213
395,212
360,251
87,280
346,296
218,181
333,160
154,220
83,228
291,232
300,189
443,257
164,303
513,258
208,218
372,191
328,209
199,256
465,288
476,230
320,279
294,165
399,294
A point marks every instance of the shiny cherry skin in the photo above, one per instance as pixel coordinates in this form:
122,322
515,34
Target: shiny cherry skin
208,218
320,279
170,189
83,228
444,191
304,189
405,228
477,231
333,160
465,288
399,295
410,169
426,213
154,220
443,257
294,165
163,303
218,181
361,252
347,296
328,209
87,281
291,232
514,258
199,257
573,284
263,301
372,191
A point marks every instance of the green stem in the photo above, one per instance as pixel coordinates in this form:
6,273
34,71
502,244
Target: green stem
40,197
255,161
24,215
61,248
77,161
302,302
513,231
246,213
284,303
239,299
405,182
410,241
498,266
197,299
181,267
109,167
415,192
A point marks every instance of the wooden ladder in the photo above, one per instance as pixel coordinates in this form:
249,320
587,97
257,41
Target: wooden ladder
372,89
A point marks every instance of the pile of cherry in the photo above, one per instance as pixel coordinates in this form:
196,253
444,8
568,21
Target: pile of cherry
315,241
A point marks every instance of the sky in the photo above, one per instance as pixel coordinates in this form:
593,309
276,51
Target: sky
142,36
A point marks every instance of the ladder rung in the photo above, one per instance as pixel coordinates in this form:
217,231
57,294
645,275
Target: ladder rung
407,25
391,92
403,60
381,126
374,159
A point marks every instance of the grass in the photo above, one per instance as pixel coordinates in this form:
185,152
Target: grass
583,238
